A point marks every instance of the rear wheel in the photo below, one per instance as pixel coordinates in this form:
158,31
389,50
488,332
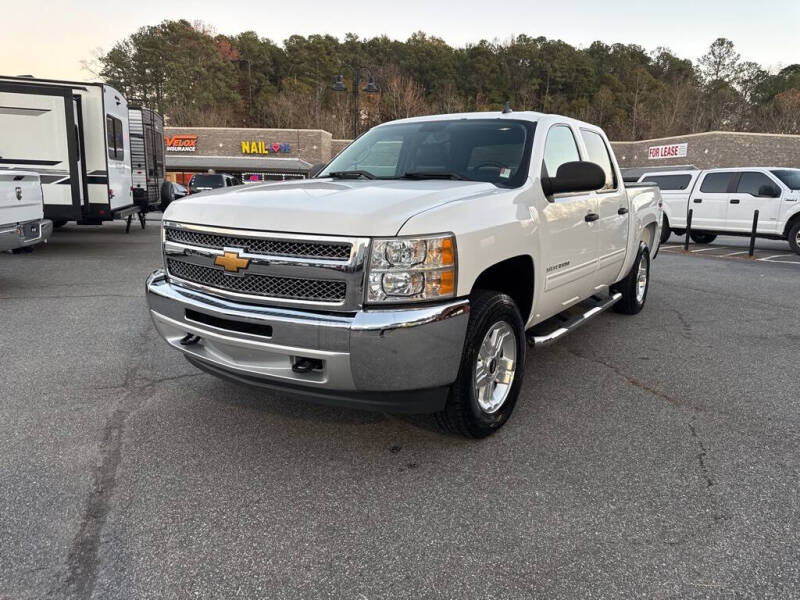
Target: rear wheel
492,365
635,285
665,230
702,238
794,237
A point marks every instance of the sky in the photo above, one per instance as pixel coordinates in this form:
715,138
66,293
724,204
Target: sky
51,38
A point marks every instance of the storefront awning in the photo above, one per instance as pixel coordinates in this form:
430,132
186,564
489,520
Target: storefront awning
186,161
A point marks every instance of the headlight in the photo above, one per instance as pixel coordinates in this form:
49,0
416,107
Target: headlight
411,269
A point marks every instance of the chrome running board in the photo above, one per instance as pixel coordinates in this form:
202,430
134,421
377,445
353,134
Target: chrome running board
570,323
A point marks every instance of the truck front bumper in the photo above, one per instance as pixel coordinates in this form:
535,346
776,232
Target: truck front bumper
397,360
18,235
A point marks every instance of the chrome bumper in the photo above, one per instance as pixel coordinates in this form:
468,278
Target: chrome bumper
370,359
14,236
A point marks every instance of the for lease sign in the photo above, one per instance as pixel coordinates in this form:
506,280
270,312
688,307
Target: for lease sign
668,151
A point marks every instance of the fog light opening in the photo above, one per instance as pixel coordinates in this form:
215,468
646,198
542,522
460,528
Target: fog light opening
303,364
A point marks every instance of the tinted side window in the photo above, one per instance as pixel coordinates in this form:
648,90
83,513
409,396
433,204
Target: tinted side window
669,182
559,148
751,183
716,183
115,138
598,153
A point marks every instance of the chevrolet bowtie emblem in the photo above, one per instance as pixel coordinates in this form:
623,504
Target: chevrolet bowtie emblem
231,261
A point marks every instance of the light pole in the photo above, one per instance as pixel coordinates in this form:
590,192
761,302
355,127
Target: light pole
370,88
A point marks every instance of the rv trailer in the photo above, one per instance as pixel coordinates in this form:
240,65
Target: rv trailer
77,137
147,158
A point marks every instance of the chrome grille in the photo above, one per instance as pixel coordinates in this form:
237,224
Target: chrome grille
274,247
314,290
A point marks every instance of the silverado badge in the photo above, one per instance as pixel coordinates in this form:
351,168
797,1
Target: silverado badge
231,261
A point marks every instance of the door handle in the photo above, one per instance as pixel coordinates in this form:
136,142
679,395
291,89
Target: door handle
591,217
697,200
735,201
622,211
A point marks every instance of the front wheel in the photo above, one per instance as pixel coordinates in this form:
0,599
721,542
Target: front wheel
702,238
635,284
492,365
794,237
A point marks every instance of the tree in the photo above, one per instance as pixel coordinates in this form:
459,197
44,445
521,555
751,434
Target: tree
721,62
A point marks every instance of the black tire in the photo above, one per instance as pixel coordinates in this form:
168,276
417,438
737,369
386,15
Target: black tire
57,224
462,413
699,237
794,237
167,195
630,303
665,230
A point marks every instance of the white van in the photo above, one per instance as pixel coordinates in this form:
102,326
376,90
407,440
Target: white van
21,211
723,202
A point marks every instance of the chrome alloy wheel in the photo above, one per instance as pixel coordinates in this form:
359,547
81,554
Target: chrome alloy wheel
641,280
797,238
495,367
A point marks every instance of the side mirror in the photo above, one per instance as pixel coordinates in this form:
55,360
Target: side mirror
769,191
315,170
578,176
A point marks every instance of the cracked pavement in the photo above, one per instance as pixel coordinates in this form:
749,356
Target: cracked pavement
651,456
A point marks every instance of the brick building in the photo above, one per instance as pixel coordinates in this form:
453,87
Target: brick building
260,154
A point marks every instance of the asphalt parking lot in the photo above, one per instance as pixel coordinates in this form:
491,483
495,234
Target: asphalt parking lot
652,456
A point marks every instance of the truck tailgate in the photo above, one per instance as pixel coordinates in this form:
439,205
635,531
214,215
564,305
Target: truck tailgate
20,197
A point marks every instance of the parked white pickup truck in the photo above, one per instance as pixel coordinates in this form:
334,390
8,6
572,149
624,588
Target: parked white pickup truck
723,202
21,210
406,275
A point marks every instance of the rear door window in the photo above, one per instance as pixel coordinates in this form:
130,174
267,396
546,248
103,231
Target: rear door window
598,153
716,183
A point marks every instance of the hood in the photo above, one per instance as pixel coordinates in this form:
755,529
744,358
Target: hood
323,206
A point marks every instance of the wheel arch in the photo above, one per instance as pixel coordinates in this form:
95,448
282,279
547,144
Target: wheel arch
513,276
790,222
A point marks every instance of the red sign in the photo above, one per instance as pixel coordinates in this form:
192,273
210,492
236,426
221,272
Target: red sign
181,143
668,151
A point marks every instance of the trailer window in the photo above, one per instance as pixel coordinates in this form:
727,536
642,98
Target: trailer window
669,182
115,138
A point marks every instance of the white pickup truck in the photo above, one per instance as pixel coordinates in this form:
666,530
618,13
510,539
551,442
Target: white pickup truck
723,202
21,210
406,275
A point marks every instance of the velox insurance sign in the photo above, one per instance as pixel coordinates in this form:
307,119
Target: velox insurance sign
668,151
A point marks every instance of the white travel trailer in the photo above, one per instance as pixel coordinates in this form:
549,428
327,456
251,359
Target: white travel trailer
77,136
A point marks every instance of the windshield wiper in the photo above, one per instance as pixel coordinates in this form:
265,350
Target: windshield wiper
351,174
433,175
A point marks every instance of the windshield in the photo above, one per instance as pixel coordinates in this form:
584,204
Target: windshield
790,177
492,150
209,181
